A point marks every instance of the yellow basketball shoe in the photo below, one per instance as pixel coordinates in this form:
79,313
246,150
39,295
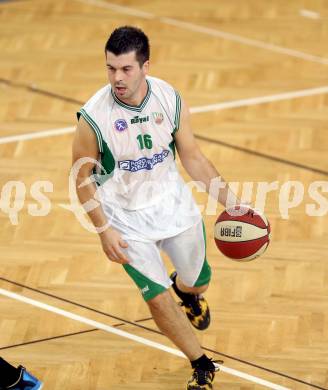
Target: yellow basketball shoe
196,306
203,379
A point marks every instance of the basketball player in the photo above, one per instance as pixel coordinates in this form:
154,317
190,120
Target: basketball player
133,127
17,378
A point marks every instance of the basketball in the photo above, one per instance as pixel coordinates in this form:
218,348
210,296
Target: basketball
241,233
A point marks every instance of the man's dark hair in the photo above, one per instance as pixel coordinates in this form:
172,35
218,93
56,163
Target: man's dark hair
126,39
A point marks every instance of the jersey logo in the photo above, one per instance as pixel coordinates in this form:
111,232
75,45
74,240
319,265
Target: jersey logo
138,119
158,117
143,162
120,124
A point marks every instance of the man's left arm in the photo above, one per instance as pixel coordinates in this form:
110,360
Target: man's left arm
196,164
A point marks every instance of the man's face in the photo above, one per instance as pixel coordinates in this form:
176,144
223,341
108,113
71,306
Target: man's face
125,74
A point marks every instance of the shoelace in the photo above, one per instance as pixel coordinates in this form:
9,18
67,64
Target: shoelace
204,377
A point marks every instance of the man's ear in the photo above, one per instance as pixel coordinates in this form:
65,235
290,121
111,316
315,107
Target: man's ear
145,67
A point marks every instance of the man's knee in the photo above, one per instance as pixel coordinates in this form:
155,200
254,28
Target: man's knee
200,289
191,289
161,300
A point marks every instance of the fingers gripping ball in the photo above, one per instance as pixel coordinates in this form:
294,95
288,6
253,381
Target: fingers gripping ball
241,233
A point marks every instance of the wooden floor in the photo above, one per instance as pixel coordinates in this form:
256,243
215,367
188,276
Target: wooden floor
272,312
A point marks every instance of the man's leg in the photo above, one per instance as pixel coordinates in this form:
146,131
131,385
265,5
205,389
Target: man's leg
188,254
195,305
174,324
148,272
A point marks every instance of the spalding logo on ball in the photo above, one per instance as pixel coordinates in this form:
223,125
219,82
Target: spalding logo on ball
242,233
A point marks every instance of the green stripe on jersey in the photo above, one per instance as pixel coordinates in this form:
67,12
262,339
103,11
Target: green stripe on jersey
107,162
177,111
172,147
107,159
176,122
94,127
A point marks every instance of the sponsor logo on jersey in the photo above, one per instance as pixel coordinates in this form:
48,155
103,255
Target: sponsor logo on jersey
143,162
138,119
158,117
120,125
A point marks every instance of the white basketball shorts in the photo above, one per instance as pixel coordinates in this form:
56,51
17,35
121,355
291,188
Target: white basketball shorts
187,252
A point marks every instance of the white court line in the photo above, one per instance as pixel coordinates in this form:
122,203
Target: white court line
193,110
130,336
119,8
209,31
260,100
36,134
246,41
309,14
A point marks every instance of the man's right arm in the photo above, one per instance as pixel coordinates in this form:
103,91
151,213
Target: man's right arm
85,146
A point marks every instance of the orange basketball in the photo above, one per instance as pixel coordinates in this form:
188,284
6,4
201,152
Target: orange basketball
242,233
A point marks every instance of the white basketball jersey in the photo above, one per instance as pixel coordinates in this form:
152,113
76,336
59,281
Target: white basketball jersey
137,148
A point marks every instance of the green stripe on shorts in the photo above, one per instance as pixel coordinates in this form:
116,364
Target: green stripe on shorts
205,274
147,287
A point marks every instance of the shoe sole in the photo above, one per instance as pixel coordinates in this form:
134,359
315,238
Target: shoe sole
210,386
218,366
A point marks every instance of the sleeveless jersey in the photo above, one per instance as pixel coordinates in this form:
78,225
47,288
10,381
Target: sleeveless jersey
137,169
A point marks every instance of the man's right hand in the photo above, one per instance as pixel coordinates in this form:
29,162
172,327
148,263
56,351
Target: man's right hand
112,243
